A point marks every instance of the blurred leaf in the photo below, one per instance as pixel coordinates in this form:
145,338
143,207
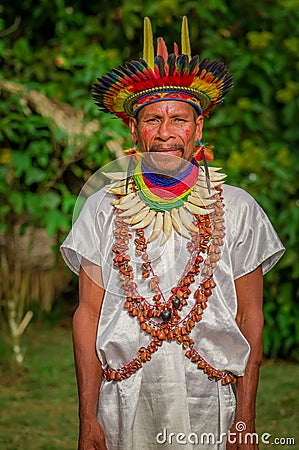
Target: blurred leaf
35,175
22,162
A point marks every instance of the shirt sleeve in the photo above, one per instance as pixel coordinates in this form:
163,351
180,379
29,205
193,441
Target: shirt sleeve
254,240
84,239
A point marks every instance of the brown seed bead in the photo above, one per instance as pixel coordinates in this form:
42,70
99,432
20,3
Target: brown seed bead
176,332
143,356
208,292
212,283
199,310
201,365
170,335
153,285
195,358
191,323
161,335
117,376
218,226
205,270
188,354
110,375
206,284
225,380
209,273
179,294
159,343
153,348
200,299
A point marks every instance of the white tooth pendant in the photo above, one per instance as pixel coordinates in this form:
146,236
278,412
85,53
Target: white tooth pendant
125,205
197,200
123,199
120,190
178,225
133,209
146,221
186,220
138,217
158,227
167,227
196,209
116,175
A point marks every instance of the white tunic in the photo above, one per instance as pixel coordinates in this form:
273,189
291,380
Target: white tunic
169,394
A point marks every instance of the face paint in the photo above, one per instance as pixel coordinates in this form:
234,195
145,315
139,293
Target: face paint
168,128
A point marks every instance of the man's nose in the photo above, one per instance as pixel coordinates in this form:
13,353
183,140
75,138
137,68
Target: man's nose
165,129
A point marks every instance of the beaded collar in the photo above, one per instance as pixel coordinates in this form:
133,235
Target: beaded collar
140,207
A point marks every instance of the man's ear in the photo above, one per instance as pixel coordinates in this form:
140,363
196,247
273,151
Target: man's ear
133,129
199,126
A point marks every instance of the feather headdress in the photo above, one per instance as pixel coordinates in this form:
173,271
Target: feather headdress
201,83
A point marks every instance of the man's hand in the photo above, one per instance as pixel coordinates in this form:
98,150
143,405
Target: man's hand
91,435
242,436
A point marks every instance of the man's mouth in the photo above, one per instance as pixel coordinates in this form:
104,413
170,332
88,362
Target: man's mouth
170,149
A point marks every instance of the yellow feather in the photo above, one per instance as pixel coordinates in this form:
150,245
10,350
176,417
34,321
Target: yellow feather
148,44
186,47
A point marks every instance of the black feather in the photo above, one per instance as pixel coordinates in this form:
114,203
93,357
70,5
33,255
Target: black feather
193,64
171,63
159,61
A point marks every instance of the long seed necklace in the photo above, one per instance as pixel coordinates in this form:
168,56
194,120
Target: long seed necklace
162,318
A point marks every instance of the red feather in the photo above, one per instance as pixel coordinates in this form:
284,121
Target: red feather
162,49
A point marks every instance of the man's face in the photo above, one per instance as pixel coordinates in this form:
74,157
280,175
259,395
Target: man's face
167,131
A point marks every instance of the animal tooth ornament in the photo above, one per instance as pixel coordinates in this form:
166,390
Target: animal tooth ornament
142,200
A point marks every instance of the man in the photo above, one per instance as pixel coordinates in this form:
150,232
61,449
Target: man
168,255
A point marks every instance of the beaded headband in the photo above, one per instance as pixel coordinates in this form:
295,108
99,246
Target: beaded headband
125,90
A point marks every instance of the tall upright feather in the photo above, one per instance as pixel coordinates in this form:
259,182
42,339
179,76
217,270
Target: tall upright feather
186,47
148,44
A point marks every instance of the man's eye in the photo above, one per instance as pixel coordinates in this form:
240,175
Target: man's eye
152,120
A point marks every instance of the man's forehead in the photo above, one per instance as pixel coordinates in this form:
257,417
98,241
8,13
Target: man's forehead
170,107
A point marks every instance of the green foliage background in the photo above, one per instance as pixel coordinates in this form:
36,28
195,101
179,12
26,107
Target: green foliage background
59,48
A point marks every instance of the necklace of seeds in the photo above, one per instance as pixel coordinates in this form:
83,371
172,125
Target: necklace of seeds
162,318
